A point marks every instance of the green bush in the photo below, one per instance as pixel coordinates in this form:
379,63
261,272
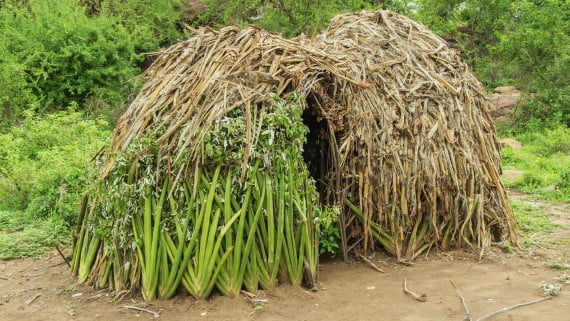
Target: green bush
59,55
151,23
288,17
44,163
329,238
534,54
544,160
15,93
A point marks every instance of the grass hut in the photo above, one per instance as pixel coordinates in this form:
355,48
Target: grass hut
241,143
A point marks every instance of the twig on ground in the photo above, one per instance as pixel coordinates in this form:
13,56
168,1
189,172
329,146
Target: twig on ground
56,264
367,260
62,256
420,298
406,263
254,302
249,294
4,278
512,307
132,307
96,296
31,300
468,314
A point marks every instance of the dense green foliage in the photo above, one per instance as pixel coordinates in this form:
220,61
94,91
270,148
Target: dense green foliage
288,17
45,161
329,238
56,52
60,56
150,23
544,160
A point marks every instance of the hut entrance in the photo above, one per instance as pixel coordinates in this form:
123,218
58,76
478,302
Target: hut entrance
316,151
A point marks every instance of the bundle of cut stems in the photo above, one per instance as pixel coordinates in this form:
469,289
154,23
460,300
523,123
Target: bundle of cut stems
213,228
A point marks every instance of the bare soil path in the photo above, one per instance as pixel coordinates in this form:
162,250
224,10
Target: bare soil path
350,291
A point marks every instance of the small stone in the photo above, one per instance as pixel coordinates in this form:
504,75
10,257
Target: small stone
512,175
510,142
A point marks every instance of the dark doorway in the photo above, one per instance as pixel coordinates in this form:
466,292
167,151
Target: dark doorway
316,151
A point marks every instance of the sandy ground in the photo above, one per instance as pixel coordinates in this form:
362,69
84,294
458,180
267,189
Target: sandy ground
350,291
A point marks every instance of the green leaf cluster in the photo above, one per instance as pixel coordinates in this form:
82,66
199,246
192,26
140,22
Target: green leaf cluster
44,163
288,17
60,55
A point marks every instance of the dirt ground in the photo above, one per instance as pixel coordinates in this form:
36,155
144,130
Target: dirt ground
43,290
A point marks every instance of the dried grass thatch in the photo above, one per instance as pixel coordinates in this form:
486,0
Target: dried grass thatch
418,151
409,154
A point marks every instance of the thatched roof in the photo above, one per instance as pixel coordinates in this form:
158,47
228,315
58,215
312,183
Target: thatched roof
411,140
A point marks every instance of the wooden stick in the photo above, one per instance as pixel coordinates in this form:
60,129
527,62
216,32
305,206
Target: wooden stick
469,316
62,256
512,307
249,294
30,301
417,297
155,314
367,260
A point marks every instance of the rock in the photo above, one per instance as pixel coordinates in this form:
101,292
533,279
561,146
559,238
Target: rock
512,174
502,102
510,142
193,8
506,90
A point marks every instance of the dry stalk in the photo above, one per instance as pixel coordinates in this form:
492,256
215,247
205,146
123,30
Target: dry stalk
512,307
417,297
467,313
372,265
131,307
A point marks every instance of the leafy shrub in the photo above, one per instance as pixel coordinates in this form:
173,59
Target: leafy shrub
44,163
15,93
545,161
547,142
288,17
531,180
329,238
563,184
151,23
534,51
59,55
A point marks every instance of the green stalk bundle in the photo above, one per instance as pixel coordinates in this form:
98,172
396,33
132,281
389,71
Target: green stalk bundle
216,225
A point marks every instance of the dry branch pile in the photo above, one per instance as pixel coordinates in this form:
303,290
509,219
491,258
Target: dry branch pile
204,185
418,151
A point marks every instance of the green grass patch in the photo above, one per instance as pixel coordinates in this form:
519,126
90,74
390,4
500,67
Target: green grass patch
534,223
21,236
544,160
560,266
